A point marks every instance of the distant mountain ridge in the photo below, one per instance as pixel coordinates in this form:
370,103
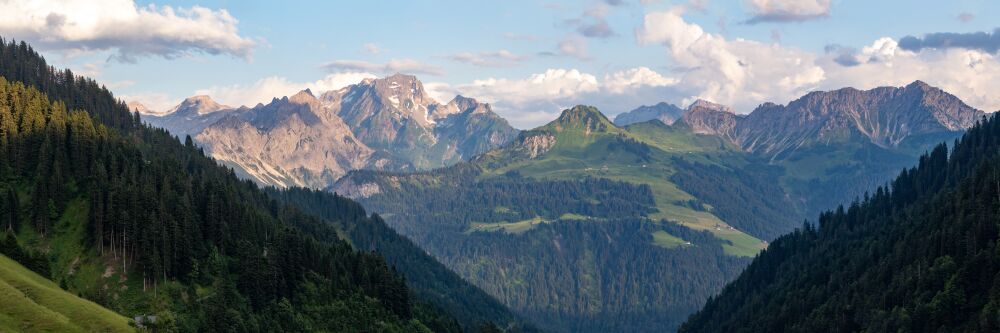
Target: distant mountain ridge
306,140
663,111
884,116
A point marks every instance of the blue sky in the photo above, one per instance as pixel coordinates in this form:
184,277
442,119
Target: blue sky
529,58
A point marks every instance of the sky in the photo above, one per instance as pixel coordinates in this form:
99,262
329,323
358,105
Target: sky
529,58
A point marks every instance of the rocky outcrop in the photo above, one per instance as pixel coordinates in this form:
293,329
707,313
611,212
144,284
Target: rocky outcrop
708,118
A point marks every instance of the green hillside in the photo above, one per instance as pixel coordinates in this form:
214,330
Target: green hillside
588,145
32,303
553,224
130,218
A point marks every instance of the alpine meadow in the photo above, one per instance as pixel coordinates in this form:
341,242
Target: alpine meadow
520,166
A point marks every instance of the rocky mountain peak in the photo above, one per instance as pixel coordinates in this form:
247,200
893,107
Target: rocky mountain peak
198,105
709,118
703,105
582,117
303,97
139,107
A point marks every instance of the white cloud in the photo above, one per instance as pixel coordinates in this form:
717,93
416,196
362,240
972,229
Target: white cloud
267,88
787,10
119,25
745,73
406,66
969,74
540,97
553,84
372,48
631,79
741,73
156,103
501,58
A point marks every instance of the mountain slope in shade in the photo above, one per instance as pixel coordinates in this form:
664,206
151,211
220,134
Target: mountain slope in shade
844,141
664,112
885,116
579,225
144,224
700,175
918,255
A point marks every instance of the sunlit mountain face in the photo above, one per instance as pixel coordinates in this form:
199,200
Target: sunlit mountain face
558,166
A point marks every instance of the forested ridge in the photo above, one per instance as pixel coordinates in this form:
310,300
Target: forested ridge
431,280
127,216
571,255
919,254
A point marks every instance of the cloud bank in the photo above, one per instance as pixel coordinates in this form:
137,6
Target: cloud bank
121,26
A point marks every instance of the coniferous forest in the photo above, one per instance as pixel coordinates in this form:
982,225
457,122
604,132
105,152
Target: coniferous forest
133,219
919,254
602,166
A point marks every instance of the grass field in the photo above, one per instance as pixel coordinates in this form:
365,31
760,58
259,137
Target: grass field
523,225
31,303
578,154
664,239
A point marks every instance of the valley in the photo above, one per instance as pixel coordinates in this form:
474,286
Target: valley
600,166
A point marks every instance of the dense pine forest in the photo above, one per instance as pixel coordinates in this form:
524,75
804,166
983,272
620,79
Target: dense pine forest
917,255
430,280
582,256
128,216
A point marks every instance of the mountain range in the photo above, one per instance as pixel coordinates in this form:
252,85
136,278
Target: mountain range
304,140
105,218
714,186
720,186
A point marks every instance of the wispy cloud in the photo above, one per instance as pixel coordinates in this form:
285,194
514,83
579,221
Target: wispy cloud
983,41
408,66
371,48
501,58
787,10
965,17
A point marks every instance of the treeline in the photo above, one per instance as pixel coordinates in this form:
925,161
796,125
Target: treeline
917,255
171,232
590,276
20,63
597,270
455,198
749,198
431,281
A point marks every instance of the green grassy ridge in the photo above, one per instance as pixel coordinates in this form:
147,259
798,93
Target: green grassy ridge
518,227
32,303
581,151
